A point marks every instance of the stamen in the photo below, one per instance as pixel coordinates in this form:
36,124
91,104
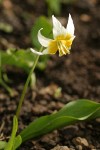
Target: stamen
62,48
66,49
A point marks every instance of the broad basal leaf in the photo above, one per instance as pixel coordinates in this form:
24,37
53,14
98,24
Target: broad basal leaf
72,112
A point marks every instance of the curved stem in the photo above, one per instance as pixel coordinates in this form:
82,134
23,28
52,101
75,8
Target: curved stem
26,85
10,91
2,83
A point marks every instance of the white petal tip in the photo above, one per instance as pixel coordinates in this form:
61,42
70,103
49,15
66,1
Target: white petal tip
69,15
70,25
35,52
41,29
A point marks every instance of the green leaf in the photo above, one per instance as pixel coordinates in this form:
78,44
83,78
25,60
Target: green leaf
2,83
22,59
2,145
74,111
41,22
17,141
10,144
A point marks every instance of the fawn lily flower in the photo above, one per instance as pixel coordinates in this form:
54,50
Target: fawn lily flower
63,38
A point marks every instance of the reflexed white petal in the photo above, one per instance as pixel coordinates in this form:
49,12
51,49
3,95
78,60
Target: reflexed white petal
39,53
36,52
58,29
70,26
43,40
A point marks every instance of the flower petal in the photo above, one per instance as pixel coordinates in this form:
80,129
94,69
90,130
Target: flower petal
52,49
43,40
58,29
36,52
70,26
45,51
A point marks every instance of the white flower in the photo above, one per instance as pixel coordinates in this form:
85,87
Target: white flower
63,38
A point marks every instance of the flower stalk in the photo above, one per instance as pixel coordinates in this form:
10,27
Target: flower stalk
26,85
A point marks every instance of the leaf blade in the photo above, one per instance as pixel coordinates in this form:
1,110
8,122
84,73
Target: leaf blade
73,112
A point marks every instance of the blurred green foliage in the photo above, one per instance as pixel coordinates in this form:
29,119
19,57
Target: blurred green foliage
19,58
22,58
54,6
1,2
6,27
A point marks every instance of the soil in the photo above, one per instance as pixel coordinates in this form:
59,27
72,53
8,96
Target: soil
77,74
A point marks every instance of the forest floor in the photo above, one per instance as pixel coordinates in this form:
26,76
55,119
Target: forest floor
77,74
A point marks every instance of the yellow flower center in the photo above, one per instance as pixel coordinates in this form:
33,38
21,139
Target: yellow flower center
61,43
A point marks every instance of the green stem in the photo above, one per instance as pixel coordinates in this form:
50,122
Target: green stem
1,80
26,85
6,87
